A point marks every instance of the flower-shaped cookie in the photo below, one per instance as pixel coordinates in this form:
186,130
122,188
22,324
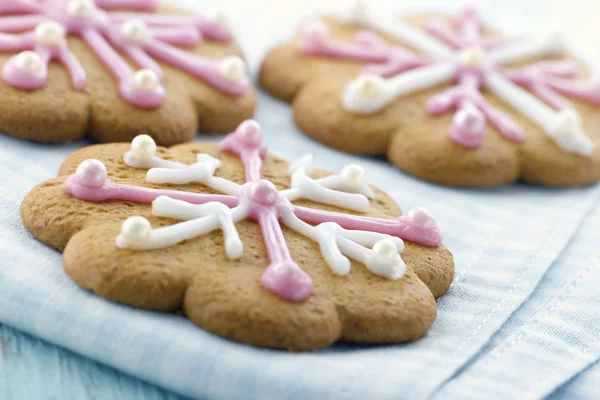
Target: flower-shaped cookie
445,99
113,68
270,254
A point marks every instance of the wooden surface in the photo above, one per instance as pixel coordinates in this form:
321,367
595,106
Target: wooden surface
33,369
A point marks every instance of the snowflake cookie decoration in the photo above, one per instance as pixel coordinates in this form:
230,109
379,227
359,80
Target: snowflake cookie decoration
249,247
377,243
463,55
38,30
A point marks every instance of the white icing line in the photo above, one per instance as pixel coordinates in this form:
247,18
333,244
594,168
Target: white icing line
528,49
359,14
346,190
199,219
563,126
359,100
335,242
201,172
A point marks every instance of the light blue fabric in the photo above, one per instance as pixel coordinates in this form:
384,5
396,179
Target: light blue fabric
505,241
582,387
550,338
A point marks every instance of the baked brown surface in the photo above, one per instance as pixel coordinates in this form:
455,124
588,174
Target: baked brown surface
415,141
225,296
58,113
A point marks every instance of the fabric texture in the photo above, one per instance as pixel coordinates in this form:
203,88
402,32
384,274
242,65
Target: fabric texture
520,320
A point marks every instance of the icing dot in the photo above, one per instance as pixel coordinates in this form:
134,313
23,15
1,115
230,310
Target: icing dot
357,11
146,79
386,251
369,85
470,121
143,146
218,18
233,68
81,8
136,230
420,218
50,33
316,31
472,57
353,176
264,192
29,61
91,173
135,30
250,132
567,123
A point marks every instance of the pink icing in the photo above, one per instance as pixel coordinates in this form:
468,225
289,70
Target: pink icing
384,59
102,31
550,81
265,205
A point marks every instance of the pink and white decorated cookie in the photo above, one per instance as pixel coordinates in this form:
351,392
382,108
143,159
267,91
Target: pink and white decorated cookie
250,247
113,68
444,97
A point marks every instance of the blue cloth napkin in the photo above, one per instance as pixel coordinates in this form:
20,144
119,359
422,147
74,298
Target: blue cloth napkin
504,241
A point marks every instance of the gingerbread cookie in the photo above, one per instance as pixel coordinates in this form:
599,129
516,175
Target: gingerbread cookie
446,99
111,69
341,261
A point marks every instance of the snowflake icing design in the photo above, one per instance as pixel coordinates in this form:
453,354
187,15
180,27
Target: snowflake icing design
375,242
39,30
460,53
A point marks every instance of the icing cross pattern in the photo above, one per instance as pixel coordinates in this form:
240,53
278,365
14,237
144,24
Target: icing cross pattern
39,30
460,54
375,242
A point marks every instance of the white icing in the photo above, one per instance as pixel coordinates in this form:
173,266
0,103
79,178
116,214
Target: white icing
81,8
50,33
358,14
564,126
143,147
358,101
135,231
347,190
146,79
199,220
201,171
29,61
219,18
528,49
135,31
473,57
336,243
233,68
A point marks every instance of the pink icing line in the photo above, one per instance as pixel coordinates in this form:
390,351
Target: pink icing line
417,226
247,143
20,23
114,191
384,59
202,68
469,122
549,80
123,72
142,5
19,7
317,41
208,28
283,276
